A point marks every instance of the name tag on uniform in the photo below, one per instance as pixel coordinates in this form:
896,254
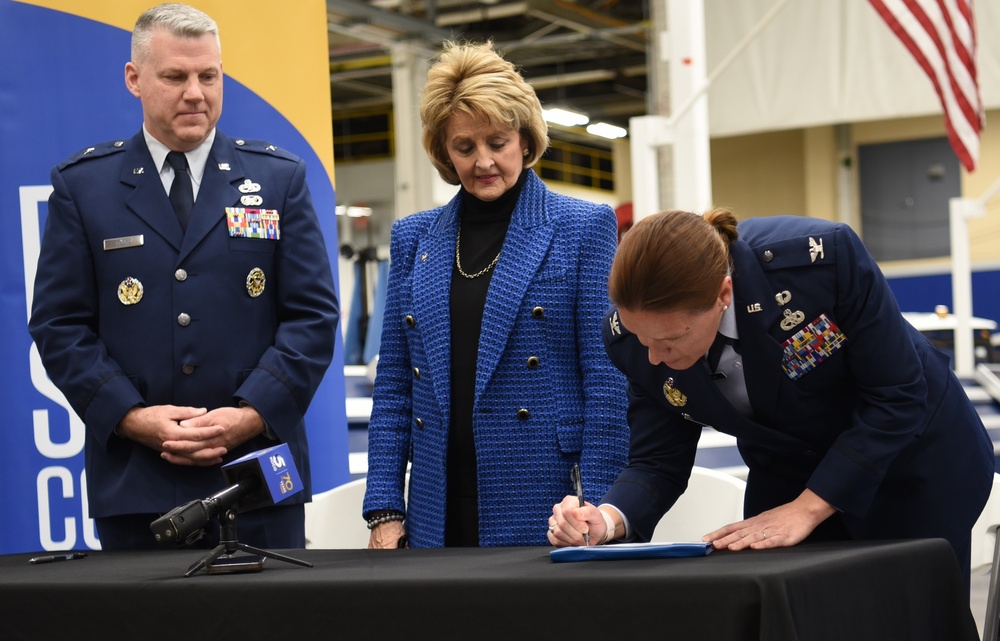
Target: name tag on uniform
810,346
111,244
244,222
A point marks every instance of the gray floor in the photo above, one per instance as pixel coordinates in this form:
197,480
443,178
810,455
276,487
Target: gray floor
977,601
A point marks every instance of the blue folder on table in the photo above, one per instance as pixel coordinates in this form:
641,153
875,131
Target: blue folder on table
630,551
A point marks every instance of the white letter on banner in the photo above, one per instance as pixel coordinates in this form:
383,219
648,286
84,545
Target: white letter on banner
44,524
31,236
31,244
89,531
40,418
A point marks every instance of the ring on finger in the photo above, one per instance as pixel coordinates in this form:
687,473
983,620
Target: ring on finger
763,534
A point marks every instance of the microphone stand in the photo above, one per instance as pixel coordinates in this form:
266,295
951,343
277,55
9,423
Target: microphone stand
229,545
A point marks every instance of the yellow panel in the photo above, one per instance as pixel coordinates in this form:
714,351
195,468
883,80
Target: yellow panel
277,48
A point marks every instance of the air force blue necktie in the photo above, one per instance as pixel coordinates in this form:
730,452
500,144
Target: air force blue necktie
181,191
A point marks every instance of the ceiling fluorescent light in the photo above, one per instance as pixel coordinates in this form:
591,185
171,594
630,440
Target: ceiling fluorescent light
605,130
353,211
565,117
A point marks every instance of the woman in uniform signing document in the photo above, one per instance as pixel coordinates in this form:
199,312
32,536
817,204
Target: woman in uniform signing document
782,332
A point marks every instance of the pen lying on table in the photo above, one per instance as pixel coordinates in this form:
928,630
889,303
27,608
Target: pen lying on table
57,557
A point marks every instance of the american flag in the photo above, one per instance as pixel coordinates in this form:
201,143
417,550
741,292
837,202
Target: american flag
941,35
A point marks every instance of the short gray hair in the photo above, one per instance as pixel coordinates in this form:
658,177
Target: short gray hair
179,19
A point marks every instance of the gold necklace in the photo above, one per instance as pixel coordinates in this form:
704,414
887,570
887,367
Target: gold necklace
458,258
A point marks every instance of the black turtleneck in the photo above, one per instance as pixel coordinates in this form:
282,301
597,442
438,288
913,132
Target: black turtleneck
483,227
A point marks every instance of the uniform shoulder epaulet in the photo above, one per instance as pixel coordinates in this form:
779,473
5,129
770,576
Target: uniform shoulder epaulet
263,147
802,251
97,151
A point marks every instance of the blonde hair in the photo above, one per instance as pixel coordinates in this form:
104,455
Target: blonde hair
475,80
673,260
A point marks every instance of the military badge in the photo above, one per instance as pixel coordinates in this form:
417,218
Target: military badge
791,319
815,249
674,396
256,282
130,291
249,187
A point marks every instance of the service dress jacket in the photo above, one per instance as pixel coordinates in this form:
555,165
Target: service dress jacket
546,395
848,399
130,310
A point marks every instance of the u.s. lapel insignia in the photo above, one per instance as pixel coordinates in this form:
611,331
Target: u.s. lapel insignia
616,329
130,291
674,396
792,319
137,171
256,282
783,297
815,249
224,166
249,187
753,308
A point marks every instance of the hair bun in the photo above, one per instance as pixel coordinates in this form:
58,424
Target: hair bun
724,222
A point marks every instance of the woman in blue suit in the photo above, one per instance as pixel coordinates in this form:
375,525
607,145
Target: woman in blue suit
852,425
492,381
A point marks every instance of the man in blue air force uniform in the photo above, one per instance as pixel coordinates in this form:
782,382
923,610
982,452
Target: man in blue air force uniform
184,339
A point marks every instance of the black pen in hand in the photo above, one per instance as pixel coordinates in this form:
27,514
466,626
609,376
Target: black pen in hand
578,486
57,557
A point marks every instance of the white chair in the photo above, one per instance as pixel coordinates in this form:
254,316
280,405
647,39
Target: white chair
333,519
712,499
984,532
986,557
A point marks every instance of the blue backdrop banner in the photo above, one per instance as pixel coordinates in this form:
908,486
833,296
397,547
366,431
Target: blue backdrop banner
62,89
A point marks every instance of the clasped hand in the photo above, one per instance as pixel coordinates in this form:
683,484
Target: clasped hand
191,435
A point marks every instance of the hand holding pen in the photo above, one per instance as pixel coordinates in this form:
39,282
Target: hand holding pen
578,486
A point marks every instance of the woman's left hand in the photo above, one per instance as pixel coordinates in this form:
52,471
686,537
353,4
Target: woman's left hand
783,526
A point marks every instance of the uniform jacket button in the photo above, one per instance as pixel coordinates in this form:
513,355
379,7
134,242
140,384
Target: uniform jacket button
538,312
187,368
181,275
533,362
523,414
768,256
183,319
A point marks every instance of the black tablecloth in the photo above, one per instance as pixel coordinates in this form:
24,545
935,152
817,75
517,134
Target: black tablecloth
908,590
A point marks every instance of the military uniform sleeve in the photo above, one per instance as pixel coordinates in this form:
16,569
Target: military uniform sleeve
886,369
661,448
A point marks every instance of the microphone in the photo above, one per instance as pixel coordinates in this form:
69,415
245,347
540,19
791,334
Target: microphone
258,479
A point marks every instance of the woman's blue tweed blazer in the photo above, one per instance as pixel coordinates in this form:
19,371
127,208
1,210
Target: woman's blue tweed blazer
546,299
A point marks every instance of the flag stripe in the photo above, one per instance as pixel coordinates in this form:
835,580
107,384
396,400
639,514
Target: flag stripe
941,36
